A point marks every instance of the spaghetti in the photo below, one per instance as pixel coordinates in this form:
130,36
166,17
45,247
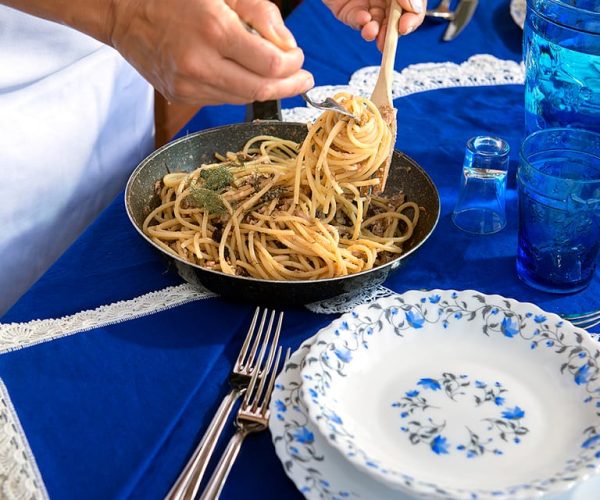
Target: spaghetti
279,210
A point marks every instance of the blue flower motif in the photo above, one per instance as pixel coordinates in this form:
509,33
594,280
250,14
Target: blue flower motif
313,393
588,399
343,354
404,414
423,300
335,418
445,324
582,354
303,435
591,441
528,315
394,311
479,384
345,325
458,315
509,328
454,295
533,345
514,413
369,331
499,400
434,299
280,417
430,383
539,318
404,429
395,404
439,445
415,319
278,386
494,310
549,343
354,314
412,394
280,405
583,375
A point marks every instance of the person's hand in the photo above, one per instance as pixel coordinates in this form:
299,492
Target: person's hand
370,16
199,51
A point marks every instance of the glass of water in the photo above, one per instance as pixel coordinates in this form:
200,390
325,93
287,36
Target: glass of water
480,208
561,47
559,209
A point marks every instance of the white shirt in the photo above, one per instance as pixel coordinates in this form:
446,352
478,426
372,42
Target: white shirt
75,119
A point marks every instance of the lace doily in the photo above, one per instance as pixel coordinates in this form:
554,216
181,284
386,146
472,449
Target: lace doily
20,478
477,71
19,335
348,301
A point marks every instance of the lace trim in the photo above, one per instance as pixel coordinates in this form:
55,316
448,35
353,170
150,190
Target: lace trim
348,301
478,70
19,335
20,478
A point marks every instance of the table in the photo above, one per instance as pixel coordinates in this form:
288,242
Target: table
113,367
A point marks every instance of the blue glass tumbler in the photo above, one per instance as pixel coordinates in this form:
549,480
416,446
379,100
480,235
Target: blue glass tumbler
561,48
480,207
559,209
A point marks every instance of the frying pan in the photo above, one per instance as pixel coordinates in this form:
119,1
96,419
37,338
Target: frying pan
189,152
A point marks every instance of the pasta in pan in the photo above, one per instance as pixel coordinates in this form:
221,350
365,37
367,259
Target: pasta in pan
279,210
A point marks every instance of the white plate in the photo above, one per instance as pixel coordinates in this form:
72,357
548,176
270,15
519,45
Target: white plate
443,393
317,469
518,8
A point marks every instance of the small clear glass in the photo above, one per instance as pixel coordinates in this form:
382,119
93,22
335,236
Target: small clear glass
559,209
480,208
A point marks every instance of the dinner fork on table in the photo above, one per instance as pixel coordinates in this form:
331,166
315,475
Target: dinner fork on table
253,416
246,368
586,320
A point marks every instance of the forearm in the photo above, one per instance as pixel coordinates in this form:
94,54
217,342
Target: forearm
93,17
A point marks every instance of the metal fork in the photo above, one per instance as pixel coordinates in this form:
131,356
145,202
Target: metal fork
253,416
585,320
442,11
329,104
245,369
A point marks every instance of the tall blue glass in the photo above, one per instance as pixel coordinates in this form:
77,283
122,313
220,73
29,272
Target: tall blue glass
559,209
561,47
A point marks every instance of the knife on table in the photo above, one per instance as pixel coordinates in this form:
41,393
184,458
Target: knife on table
462,15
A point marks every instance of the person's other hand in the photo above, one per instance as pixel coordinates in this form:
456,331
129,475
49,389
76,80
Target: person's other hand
370,16
199,51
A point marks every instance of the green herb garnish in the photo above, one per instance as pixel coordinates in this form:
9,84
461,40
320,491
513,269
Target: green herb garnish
200,197
216,179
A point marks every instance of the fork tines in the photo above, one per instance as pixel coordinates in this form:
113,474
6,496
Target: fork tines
246,357
586,320
256,400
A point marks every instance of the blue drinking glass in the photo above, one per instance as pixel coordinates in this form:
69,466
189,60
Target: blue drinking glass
559,209
561,47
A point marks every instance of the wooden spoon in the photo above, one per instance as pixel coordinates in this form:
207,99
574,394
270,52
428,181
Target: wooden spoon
382,93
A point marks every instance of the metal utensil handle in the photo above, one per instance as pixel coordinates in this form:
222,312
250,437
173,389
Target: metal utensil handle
217,480
188,482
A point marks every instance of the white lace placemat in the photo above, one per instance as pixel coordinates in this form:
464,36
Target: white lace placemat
478,71
20,478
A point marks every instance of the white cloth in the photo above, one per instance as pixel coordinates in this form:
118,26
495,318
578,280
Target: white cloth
75,119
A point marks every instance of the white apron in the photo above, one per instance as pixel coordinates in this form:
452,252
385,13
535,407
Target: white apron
75,119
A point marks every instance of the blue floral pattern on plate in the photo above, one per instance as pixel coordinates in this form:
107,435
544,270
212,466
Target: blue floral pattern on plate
509,325
503,424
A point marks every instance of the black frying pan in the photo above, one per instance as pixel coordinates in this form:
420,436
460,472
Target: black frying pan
189,152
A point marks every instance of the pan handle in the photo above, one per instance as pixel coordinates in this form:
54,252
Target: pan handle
268,110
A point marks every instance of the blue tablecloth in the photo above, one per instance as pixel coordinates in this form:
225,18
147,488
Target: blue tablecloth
114,411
